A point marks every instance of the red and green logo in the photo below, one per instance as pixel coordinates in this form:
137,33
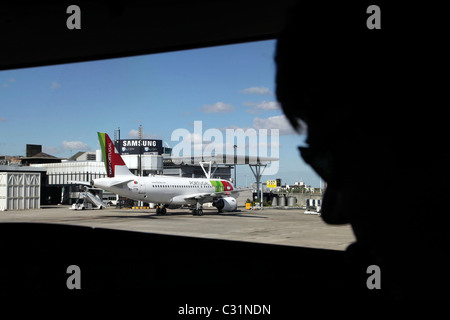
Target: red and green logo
221,185
110,156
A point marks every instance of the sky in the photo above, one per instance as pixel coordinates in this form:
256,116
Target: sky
225,87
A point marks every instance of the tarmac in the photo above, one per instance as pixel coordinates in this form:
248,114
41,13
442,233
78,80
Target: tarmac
271,226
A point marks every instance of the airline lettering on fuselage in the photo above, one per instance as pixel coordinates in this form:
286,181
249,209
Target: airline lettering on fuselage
110,169
196,183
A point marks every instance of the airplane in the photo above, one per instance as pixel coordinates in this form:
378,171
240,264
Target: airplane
163,190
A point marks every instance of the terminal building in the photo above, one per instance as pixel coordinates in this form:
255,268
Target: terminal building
42,179
39,178
59,175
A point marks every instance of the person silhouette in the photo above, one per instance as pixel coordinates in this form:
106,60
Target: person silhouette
371,101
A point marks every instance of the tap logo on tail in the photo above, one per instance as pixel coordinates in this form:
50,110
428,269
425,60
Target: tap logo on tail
114,163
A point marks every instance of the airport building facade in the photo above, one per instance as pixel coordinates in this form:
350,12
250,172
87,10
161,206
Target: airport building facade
42,179
61,175
142,156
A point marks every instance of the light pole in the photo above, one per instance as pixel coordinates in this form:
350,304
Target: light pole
235,163
141,203
140,150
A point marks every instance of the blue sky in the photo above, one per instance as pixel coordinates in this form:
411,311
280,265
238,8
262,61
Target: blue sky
62,107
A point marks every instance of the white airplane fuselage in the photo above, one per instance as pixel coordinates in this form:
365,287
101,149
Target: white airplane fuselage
159,189
162,190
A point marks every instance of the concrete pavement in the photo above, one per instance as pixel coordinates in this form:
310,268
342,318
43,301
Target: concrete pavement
284,227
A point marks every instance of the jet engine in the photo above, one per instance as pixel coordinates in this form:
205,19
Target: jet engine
225,204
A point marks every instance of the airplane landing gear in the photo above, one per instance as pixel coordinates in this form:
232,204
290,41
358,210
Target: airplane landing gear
161,210
198,210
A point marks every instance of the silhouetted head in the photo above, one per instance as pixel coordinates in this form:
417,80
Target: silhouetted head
372,104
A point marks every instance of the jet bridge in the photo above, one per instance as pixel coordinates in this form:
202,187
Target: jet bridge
256,163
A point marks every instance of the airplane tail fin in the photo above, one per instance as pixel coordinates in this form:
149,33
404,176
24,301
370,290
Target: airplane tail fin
114,164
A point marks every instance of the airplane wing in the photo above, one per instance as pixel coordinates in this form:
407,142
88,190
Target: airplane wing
224,193
200,196
121,182
240,189
83,183
213,195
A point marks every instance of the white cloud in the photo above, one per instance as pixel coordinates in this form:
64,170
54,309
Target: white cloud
10,80
200,144
51,150
218,107
276,122
257,90
193,138
263,105
74,145
55,85
134,134
223,129
270,144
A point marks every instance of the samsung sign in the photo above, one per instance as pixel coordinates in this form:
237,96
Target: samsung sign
133,146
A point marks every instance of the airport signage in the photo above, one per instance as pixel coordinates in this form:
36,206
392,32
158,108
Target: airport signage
134,146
